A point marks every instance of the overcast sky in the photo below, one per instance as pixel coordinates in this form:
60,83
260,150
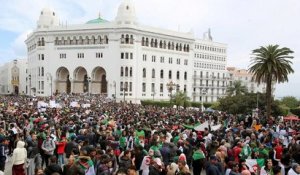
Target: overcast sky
242,24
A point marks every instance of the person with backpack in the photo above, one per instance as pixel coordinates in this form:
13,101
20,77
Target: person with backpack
48,147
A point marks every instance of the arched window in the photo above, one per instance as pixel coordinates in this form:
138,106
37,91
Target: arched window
165,45
105,39
80,41
160,44
122,72
143,41
127,39
147,42
39,42
126,71
177,47
169,45
86,41
184,48
178,75
170,74
161,73
130,72
131,39
172,47
93,41
122,39
56,41
153,73
187,48
180,47
155,43
152,43
185,75
63,42
144,72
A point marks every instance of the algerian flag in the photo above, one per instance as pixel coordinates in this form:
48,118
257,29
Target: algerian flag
253,164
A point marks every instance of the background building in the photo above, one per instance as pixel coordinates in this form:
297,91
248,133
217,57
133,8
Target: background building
13,77
246,78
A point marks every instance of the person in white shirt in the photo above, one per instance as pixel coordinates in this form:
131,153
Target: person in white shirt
19,158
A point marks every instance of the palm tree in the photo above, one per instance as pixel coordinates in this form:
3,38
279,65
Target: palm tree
181,99
237,88
271,64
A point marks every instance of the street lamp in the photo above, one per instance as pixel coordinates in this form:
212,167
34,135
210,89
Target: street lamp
170,87
89,87
50,76
202,92
153,93
29,78
115,86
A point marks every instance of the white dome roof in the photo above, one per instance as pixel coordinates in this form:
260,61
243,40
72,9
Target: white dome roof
47,18
126,13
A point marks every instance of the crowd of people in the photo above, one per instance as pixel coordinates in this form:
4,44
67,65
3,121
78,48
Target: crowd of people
109,138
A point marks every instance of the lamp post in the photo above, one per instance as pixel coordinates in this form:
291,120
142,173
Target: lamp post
50,76
29,78
202,92
89,87
115,86
153,93
170,87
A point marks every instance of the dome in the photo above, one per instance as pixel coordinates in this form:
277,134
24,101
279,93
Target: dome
98,20
126,13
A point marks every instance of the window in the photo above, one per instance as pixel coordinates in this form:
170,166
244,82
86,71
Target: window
99,55
42,84
130,72
144,87
153,59
178,75
80,55
144,72
186,62
131,56
62,56
178,61
42,71
184,88
144,57
126,55
161,88
170,74
161,73
153,87
153,73
122,72
130,86
42,56
185,75
121,86
126,71
170,60
162,59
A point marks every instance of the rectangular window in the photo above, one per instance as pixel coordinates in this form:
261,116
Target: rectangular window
99,55
42,57
153,59
162,59
186,62
152,87
80,55
144,57
121,86
178,61
122,55
170,60
42,85
126,55
161,88
131,56
144,87
130,86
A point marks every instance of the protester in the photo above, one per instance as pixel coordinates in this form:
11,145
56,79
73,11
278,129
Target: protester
18,159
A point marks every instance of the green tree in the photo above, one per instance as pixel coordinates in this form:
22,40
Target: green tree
290,101
271,64
180,98
237,88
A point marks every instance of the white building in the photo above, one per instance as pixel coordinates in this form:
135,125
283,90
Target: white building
122,57
13,77
246,78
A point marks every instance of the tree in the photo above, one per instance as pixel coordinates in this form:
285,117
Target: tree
181,99
237,88
271,64
290,101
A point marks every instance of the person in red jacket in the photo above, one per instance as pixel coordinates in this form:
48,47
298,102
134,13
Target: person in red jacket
61,150
236,151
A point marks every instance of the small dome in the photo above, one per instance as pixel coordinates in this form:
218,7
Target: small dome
98,20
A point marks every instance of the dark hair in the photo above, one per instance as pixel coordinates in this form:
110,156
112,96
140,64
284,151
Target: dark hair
121,171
